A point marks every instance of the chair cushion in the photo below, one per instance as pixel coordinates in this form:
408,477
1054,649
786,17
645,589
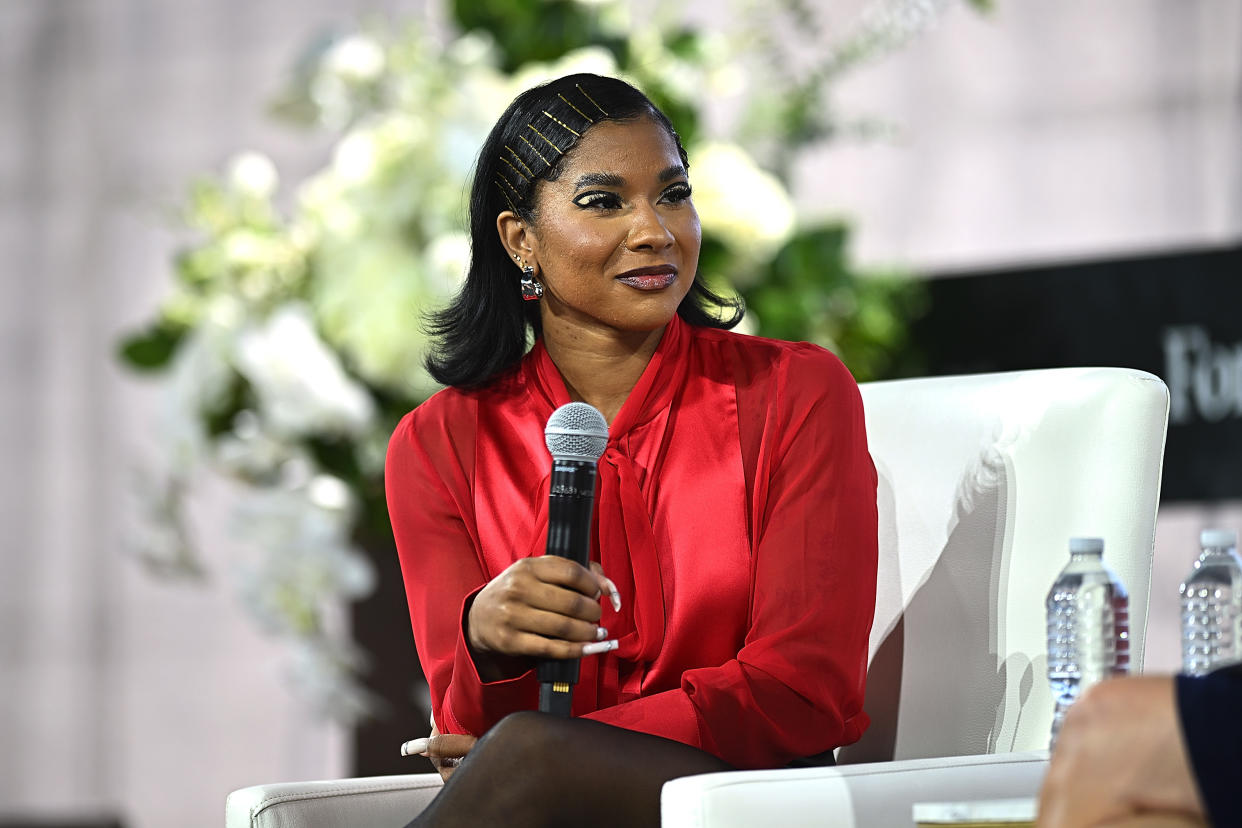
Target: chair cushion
856,796
370,800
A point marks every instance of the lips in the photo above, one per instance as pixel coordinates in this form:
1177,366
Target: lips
649,278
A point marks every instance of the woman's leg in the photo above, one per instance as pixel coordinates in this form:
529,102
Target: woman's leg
533,769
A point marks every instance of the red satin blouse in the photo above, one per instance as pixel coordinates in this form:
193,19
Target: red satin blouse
736,513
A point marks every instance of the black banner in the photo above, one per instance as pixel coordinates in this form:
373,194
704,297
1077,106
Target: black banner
1178,316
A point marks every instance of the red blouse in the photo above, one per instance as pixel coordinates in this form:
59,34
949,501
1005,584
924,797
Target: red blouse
736,513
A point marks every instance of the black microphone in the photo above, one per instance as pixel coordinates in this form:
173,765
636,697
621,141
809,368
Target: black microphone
576,436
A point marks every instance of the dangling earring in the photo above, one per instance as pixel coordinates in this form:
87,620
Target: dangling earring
531,290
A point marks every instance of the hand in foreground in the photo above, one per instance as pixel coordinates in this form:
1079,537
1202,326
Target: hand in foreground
543,607
445,750
1120,756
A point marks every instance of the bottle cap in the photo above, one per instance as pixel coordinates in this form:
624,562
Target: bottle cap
1217,538
1086,545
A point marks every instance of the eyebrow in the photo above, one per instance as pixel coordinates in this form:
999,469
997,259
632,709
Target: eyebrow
613,180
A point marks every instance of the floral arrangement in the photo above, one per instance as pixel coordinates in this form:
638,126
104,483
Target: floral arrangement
292,339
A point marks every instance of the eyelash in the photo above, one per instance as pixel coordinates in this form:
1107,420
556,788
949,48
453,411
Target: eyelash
678,193
600,200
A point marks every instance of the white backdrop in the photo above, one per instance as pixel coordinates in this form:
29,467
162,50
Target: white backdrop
1051,130
1048,131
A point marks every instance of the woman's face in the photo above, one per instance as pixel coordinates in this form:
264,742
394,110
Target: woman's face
616,238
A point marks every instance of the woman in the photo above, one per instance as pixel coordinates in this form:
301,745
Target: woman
724,620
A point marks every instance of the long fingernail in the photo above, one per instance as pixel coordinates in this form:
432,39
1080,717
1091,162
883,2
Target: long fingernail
613,595
600,647
415,747
600,633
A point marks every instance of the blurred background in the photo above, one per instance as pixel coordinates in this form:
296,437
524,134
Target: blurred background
222,220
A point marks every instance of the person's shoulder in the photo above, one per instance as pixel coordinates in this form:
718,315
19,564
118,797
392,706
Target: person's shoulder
443,418
446,406
762,359
454,411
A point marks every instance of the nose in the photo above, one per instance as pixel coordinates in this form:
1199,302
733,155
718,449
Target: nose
648,230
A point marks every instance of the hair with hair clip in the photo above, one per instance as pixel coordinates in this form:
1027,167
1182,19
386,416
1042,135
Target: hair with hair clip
485,330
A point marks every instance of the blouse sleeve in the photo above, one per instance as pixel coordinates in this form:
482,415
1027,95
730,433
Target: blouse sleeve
796,687
426,480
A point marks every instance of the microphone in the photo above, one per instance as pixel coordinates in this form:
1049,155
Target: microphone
576,436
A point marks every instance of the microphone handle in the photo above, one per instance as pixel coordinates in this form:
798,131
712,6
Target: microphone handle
570,504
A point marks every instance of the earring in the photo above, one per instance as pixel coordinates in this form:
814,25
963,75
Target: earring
531,290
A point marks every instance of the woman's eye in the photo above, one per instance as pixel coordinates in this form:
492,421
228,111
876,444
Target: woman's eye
676,193
602,200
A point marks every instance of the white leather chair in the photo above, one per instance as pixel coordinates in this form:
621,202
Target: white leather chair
983,479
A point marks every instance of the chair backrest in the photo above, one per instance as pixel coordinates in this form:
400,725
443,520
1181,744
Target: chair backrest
982,481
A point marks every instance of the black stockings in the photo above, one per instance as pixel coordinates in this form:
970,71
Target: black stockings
543,771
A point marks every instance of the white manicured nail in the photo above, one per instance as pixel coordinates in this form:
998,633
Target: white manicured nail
415,747
600,647
613,595
600,633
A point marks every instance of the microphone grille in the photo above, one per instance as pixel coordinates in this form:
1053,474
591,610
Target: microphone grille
576,431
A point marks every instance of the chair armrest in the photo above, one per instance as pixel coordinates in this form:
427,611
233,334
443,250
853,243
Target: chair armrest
368,800
847,796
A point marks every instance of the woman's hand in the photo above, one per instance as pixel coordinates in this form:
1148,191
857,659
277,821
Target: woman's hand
543,607
444,750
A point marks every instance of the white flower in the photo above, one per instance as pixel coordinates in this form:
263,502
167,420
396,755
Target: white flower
747,208
356,157
198,382
449,258
253,174
356,59
299,381
328,492
250,452
371,308
327,211
353,63
307,562
472,48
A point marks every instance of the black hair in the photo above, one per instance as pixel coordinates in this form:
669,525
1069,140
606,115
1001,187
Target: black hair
484,331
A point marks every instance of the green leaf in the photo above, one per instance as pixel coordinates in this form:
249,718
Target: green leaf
218,419
684,43
811,292
152,349
529,32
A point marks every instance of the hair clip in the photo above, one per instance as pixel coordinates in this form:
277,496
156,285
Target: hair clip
535,151
515,169
508,200
578,86
518,158
562,124
574,108
516,191
545,138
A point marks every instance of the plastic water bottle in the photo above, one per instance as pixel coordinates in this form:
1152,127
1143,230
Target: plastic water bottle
1212,605
1088,626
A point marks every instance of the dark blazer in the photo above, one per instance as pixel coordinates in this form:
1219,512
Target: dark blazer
1211,712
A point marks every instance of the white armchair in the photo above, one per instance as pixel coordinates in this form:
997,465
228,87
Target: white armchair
983,479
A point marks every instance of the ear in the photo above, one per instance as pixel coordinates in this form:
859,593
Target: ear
517,237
